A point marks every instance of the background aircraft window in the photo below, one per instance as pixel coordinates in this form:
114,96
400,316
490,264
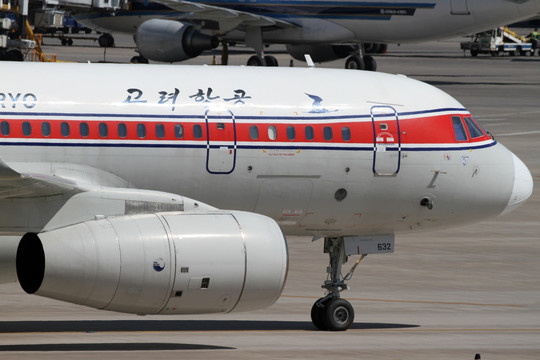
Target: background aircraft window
327,132
459,130
253,132
291,132
64,129
103,130
309,133
474,130
83,128
160,131
197,131
178,131
4,127
345,133
26,128
272,132
46,129
122,130
141,131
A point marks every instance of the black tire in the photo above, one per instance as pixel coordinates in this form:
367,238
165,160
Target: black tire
474,52
70,42
317,315
354,63
63,41
370,63
270,60
139,60
254,61
14,55
339,315
106,40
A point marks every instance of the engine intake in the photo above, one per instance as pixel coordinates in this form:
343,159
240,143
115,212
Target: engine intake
171,41
166,263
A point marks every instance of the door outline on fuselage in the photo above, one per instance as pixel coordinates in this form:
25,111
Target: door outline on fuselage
386,151
220,150
459,7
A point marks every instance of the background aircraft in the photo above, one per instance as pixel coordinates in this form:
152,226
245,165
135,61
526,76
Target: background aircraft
175,30
108,186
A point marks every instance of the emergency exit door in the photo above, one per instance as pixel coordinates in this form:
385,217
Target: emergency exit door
221,142
459,7
386,141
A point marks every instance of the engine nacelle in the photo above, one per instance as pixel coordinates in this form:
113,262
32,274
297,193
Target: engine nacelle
166,263
171,41
320,53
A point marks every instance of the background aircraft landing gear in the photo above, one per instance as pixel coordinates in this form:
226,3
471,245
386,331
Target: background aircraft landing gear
359,61
332,312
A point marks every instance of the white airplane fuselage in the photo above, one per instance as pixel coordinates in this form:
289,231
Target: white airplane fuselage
322,152
346,21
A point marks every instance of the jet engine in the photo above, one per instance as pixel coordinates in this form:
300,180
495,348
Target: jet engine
171,41
320,53
164,263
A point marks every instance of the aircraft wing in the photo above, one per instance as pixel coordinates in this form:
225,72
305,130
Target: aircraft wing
40,196
228,18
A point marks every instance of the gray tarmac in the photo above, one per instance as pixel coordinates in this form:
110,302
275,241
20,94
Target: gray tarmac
442,295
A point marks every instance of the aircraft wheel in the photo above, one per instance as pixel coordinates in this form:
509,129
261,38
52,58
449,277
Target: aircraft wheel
370,63
317,315
138,60
270,60
70,42
338,315
474,52
355,63
254,61
106,40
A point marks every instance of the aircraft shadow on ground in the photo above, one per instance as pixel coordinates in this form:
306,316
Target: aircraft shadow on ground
110,347
91,326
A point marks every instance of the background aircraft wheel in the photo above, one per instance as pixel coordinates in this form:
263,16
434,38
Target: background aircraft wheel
270,60
138,60
70,42
254,61
370,63
474,52
339,315
354,62
317,315
106,40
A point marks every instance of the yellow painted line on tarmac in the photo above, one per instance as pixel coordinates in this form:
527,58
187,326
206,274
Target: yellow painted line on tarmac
416,301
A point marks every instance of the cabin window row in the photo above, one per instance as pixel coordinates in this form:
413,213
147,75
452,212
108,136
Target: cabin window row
309,133
103,130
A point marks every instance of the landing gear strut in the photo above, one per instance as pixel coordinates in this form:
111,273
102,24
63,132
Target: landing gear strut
254,40
332,312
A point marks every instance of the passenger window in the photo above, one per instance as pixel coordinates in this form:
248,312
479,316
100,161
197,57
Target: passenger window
122,130
46,129
26,128
309,133
459,130
178,131
291,132
103,130
84,129
327,132
64,129
141,131
253,132
160,131
474,129
4,127
272,132
197,131
345,133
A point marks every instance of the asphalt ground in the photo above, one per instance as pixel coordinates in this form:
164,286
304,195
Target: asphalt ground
442,295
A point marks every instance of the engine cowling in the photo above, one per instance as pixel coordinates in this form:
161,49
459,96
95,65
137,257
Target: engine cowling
166,263
320,53
171,41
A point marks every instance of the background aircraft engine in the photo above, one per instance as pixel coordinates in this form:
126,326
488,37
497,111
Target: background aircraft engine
171,41
320,53
166,263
